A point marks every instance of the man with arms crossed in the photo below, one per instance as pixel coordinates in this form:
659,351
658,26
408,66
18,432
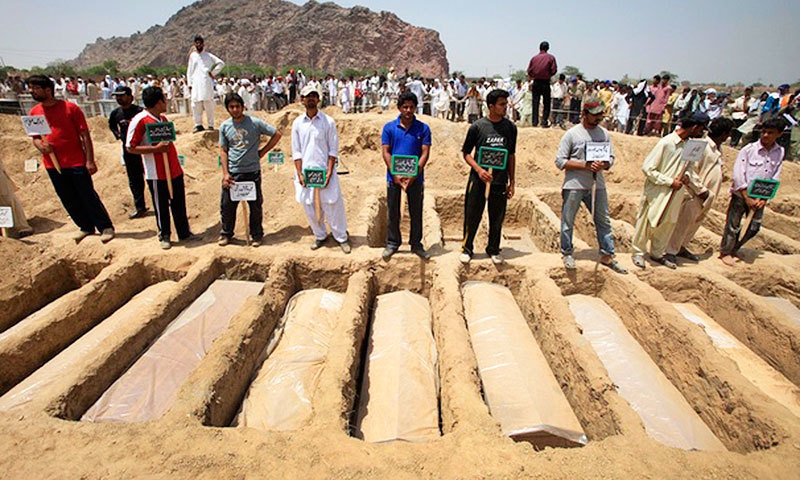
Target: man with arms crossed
409,137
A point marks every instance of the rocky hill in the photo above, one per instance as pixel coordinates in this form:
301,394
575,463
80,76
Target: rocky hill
322,36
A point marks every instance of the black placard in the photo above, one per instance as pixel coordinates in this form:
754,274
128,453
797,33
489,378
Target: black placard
405,165
763,188
314,177
160,132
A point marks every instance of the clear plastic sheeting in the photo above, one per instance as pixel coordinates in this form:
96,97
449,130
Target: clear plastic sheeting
752,367
787,308
667,416
73,356
522,393
150,386
281,396
399,394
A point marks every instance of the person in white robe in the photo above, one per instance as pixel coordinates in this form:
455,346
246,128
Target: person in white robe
200,72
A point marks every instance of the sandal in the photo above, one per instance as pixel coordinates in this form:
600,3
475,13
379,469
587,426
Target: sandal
638,260
615,266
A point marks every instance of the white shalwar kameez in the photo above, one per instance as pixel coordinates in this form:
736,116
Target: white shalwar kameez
202,85
313,141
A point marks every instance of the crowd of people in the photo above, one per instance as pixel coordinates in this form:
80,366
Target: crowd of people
678,190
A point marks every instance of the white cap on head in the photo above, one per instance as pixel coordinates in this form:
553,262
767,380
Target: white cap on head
307,90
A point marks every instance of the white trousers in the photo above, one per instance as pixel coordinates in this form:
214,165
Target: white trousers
197,112
334,214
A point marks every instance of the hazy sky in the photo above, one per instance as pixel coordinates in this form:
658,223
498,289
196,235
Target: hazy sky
701,40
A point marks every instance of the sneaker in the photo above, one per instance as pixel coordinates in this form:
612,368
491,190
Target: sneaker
138,213
317,244
198,128
107,235
421,253
664,261
255,243
569,262
638,260
388,252
345,246
465,258
223,240
165,244
497,259
80,235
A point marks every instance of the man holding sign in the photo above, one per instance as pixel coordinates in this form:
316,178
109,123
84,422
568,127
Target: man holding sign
757,165
148,136
315,148
239,139
406,143
585,151
664,168
489,150
70,144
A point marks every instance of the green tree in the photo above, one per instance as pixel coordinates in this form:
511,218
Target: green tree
520,75
571,71
111,67
673,77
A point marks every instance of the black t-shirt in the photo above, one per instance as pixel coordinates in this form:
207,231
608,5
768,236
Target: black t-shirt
485,133
119,120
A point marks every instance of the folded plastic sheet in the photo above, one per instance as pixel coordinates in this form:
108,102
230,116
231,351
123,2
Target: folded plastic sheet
752,367
522,393
150,386
281,396
399,394
667,416
69,359
786,307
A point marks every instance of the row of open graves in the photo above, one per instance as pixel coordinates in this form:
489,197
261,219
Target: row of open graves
383,356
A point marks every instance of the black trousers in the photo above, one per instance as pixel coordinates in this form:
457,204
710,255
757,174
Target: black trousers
135,170
574,110
737,209
541,90
75,189
228,207
474,202
415,195
163,205
558,117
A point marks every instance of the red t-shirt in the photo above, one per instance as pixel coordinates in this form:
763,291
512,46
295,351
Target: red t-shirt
153,162
66,122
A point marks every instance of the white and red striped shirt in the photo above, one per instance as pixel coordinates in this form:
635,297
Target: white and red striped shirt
153,162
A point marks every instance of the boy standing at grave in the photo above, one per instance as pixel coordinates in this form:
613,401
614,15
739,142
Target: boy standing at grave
118,122
239,138
657,214
71,144
758,160
407,137
585,151
315,145
493,136
161,167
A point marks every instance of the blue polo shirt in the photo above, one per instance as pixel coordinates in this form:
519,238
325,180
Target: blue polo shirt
406,142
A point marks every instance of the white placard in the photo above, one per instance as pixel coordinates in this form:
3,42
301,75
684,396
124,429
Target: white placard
35,125
243,191
6,217
31,165
598,151
693,150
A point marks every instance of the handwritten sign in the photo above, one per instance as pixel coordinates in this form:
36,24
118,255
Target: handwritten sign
6,217
314,177
35,125
275,158
405,165
598,151
160,132
243,191
763,188
693,150
31,165
182,160
495,158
